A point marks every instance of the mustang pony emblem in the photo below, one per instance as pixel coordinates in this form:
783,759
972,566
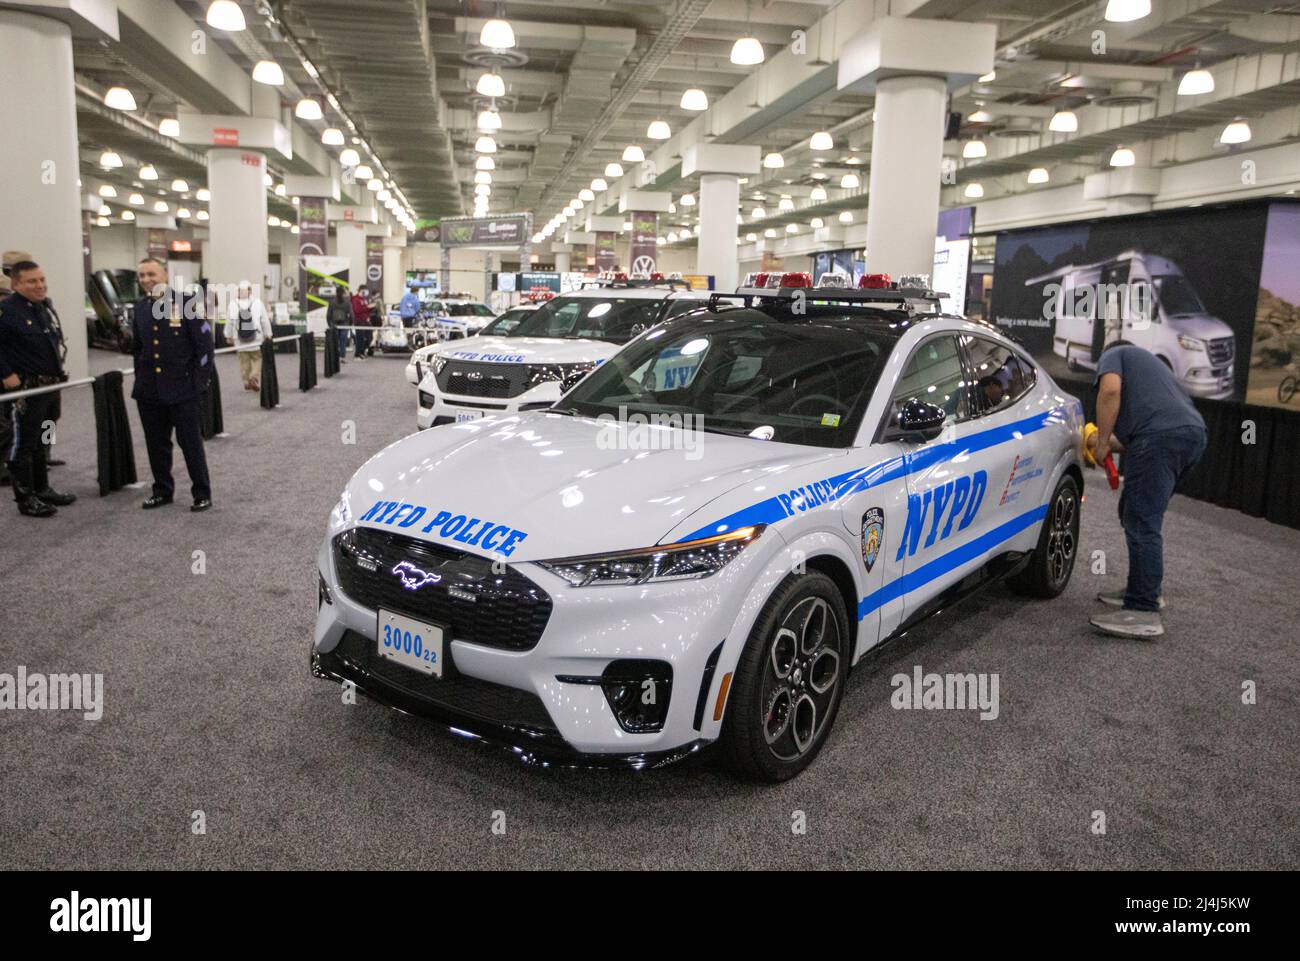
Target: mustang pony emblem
413,578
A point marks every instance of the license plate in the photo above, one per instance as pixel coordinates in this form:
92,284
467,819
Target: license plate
465,415
411,643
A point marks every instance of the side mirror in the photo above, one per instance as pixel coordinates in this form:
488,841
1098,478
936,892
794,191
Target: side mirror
919,417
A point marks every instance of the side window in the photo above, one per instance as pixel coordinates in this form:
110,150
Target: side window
934,375
1001,377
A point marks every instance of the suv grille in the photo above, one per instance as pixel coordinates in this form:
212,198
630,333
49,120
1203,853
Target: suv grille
469,379
1221,350
505,610
464,695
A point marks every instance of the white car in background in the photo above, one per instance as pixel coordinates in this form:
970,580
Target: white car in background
561,340
459,315
499,326
551,580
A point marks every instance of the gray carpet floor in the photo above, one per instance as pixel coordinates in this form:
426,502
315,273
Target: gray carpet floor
209,705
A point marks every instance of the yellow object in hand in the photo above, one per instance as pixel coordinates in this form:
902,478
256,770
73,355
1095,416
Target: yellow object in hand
1090,443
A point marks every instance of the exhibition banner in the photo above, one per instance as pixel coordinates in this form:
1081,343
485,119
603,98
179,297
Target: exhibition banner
375,264
606,254
313,241
470,231
1183,284
156,246
644,251
1275,353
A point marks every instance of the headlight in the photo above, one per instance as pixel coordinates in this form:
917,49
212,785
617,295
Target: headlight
545,373
671,562
341,515
439,362
1191,343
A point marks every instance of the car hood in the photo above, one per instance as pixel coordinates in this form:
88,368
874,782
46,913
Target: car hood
1203,326
569,484
526,350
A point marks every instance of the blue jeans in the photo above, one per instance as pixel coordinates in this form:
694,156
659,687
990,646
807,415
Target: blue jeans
1153,466
343,344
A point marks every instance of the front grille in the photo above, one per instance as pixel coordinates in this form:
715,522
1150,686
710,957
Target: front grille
504,610
468,379
1221,350
468,696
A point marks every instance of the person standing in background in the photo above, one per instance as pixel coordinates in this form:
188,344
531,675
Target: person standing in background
173,364
409,308
361,317
247,326
10,258
338,318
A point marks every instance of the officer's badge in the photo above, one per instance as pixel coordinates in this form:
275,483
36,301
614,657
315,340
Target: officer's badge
873,535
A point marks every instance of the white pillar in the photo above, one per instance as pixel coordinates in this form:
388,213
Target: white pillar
40,205
562,262
237,242
394,275
906,154
716,252
352,245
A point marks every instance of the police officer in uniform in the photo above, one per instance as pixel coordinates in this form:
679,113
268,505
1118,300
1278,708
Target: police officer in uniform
173,363
32,352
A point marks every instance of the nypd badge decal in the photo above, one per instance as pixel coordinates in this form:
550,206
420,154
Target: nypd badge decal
873,535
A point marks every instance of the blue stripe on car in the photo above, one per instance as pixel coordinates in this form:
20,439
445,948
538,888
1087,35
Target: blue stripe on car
771,510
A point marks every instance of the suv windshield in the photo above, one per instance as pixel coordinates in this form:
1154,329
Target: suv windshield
1176,295
805,382
468,310
615,319
504,325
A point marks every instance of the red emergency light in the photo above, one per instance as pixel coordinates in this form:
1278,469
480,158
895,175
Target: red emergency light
874,282
760,280
796,279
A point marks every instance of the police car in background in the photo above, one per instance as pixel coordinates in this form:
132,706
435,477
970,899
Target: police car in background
460,315
591,589
500,326
563,339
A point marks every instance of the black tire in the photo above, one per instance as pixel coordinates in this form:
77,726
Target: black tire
805,601
1052,563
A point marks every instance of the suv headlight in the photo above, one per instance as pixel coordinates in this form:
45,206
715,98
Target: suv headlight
438,363
545,373
1191,343
671,562
341,515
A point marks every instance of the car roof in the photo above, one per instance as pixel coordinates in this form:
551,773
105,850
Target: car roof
621,293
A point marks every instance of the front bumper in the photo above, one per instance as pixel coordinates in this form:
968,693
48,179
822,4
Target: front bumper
1214,383
434,408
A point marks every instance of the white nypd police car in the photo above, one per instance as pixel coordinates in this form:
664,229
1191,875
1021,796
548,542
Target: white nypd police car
525,368
698,541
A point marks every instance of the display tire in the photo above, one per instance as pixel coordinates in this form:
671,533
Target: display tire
1049,568
744,742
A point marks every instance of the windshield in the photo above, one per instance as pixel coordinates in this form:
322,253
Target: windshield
469,310
615,319
504,325
1176,295
804,382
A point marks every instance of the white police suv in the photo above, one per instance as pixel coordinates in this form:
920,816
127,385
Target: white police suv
698,541
563,339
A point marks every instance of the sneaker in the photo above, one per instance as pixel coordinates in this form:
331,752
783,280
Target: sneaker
32,506
1116,599
157,500
1129,623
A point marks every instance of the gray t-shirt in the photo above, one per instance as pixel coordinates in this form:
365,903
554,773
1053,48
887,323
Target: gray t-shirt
1151,399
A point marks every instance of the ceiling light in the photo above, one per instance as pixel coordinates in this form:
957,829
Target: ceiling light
816,223
308,109
485,144
273,221
183,213
1038,175
672,236
850,181
1126,11
846,217
383,195
613,170
497,34
694,99
988,77
599,185
119,98
751,237
688,200
203,194
374,184
160,206
974,190
769,232
128,215
169,127
758,213
268,180
148,172
101,222
627,225
980,116
1063,121
226,15
180,186
292,230
633,154
485,163
791,228
974,149
773,161
818,194
482,177
490,85
746,52
108,190
739,219
821,140
672,207
269,73
349,157
137,199
1196,82
1236,132
281,190
489,120
109,160
658,130
586,194
786,204
202,215
332,137
363,172
480,190
1122,157
105,210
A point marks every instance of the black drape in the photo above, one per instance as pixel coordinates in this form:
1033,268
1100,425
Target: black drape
270,382
211,421
116,456
331,352
307,361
